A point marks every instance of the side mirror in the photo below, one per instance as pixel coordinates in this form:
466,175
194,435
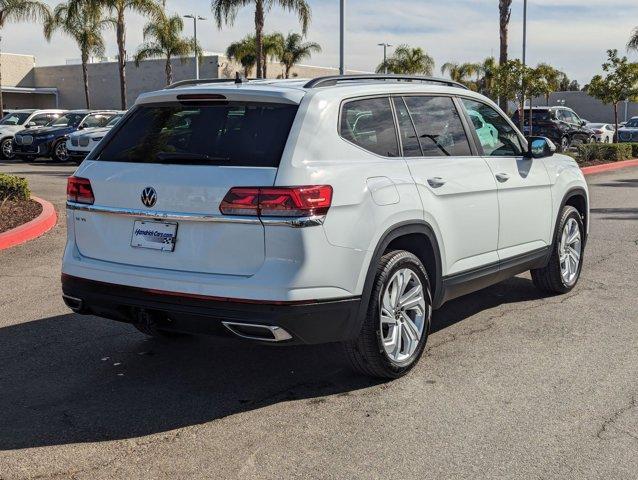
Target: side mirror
540,147
30,125
583,123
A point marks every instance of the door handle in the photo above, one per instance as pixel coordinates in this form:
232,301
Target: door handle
502,177
436,182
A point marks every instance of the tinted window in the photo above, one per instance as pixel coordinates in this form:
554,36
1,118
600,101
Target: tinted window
409,140
14,119
438,126
229,133
96,120
369,124
633,123
114,119
41,120
537,116
69,119
497,137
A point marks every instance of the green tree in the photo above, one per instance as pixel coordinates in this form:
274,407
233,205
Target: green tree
619,82
273,44
508,83
84,22
535,86
243,52
549,79
294,50
19,11
225,12
408,61
118,9
163,39
462,73
487,74
632,44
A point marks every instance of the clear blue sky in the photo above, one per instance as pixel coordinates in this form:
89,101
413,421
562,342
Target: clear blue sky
570,34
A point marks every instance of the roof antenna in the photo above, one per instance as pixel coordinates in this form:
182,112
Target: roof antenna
239,79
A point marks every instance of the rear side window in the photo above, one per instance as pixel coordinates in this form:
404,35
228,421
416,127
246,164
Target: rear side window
409,140
438,126
369,123
225,133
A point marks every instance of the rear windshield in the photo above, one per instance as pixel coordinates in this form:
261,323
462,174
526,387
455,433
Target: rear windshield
537,115
228,133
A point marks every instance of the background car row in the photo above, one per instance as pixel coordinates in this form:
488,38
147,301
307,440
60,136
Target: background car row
30,134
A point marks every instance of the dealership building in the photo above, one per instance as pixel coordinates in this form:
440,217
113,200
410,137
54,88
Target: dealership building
27,85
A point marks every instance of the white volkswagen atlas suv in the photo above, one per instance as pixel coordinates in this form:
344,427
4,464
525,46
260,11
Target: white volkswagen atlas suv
339,209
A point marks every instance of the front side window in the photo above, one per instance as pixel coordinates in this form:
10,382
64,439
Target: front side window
369,123
41,120
244,134
497,137
438,126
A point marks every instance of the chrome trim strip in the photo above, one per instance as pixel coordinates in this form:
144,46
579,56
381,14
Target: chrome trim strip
278,333
293,222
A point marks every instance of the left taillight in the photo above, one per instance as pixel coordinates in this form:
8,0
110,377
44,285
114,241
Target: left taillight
305,201
79,190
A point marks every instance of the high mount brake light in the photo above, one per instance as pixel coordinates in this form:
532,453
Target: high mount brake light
79,190
305,201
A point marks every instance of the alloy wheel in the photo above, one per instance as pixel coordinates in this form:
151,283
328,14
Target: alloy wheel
7,149
570,251
61,152
403,313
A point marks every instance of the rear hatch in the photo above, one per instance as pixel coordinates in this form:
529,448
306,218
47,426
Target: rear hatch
182,159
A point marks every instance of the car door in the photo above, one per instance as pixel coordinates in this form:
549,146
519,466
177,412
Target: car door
524,195
456,186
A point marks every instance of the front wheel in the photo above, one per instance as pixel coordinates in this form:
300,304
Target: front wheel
562,272
6,149
396,327
60,153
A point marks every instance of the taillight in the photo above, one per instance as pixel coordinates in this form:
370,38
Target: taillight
79,190
303,201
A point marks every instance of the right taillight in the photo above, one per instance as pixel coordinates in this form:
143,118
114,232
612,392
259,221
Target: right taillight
304,201
79,190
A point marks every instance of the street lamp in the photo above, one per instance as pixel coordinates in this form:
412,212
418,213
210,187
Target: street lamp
195,18
342,37
524,63
385,56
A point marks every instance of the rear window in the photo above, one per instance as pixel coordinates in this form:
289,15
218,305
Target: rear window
228,133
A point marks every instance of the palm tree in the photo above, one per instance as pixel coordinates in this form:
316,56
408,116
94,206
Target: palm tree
83,21
487,76
409,61
17,11
632,44
461,72
162,38
118,8
243,52
294,51
505,13
273,44
225,11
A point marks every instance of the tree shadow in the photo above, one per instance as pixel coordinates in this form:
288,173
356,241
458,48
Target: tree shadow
70,378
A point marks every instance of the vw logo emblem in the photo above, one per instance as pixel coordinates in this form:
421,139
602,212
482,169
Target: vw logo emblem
149,197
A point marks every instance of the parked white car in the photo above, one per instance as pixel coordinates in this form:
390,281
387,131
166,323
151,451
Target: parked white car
341,209
80,143
17,121
629,131
604,132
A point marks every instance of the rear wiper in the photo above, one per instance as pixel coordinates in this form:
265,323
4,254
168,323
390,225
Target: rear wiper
188,157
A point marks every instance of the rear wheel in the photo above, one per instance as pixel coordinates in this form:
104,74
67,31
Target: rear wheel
562,272
395,331
59,153
6,148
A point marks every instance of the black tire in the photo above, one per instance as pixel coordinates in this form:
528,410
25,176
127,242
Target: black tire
549,278
366,353
56,151
6,149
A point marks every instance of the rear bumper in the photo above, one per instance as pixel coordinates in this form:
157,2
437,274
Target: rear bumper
307,322
77,154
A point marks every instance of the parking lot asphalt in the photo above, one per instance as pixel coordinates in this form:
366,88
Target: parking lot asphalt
512,384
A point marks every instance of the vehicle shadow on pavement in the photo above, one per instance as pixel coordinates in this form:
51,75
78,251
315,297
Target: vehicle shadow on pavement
72,379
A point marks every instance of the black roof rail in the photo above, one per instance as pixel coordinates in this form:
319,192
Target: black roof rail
203,81
336,79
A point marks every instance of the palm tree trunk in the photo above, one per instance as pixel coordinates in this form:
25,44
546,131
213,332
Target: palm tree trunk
288,67
246,72
504,20
259,35
169,70
85,76
121,42
265,68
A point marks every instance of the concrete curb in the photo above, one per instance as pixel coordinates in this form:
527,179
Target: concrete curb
30,230
606,167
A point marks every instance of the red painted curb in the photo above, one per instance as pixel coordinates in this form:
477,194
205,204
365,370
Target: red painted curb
606,167
30,230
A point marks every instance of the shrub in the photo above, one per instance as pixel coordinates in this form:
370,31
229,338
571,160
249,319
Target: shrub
610,152
634,149
13,188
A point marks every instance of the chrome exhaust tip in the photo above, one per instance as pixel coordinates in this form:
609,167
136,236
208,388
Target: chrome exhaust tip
254,331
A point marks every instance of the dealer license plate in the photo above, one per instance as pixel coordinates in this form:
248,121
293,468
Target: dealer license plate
154,235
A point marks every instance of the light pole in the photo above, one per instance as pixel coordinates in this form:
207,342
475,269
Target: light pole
385,56
195,18
524,65
342,37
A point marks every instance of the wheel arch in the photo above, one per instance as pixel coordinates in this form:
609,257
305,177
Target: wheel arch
576,197
417,237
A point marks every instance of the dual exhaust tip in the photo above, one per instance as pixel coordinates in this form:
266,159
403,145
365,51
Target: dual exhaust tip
253,331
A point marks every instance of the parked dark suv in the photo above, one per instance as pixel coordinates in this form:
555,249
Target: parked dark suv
50,140
560,124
